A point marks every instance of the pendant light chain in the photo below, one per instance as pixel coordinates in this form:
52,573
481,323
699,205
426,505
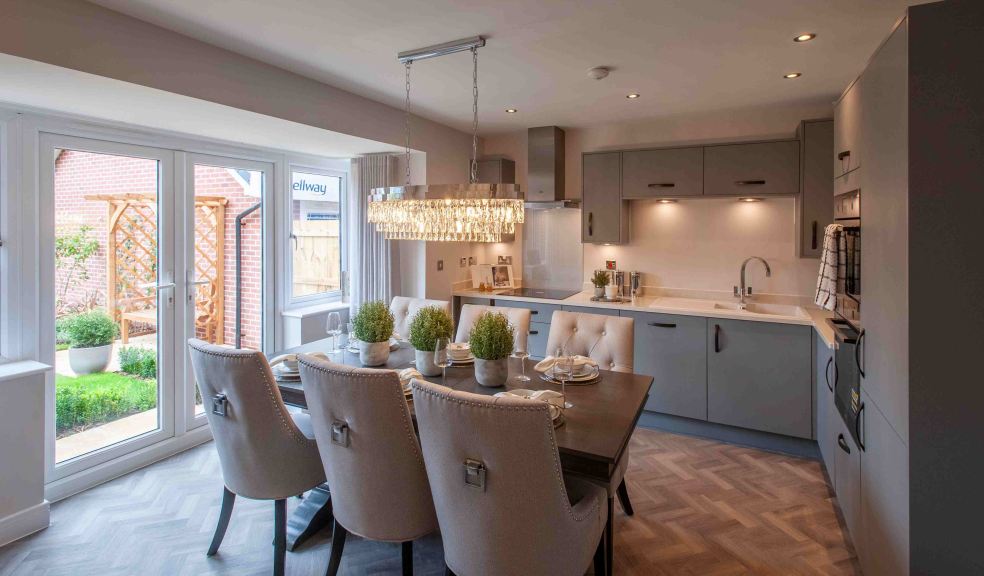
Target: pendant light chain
409,62
474,162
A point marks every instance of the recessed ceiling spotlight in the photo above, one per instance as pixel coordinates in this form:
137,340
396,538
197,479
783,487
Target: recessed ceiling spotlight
804,37
792,75
632,96
749,199
511,110
667,201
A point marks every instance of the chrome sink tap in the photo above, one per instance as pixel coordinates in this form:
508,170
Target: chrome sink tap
742,291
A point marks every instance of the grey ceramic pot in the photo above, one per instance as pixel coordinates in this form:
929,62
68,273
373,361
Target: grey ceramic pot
424,359
374,353
599,291
492,373
90,360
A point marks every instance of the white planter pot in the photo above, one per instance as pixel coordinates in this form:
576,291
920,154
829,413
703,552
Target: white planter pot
90,360
611,292
374,353
424,359
492,373
599,291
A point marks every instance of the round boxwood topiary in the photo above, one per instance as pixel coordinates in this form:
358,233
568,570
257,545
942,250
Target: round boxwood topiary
90,329
491,337
373,323
428,325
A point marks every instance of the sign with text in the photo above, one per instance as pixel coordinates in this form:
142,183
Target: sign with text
317,187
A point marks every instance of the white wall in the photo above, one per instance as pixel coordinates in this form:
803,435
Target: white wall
23,509
695,244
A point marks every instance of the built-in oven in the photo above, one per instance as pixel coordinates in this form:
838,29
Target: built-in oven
848,372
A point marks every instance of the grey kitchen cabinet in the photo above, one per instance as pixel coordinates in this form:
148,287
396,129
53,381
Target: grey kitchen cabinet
825,415
604,215
848,130
847,483
673,350
497,171
814,209
759,376
539,311
753,169
591,310
884,495
536,342
669,172
540,315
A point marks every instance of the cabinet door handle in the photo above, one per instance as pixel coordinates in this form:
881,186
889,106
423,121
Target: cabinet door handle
843,443
814,243
857,427
662,325
826,373
750,182
717,338
844,154
858,354
590,224
534,312
534,332
663,185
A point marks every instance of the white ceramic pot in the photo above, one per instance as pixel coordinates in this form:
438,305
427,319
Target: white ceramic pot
492,373
611,292
424,359
374,353
90,360
599,291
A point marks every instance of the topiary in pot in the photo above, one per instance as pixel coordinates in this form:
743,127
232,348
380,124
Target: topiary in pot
491,342
90,338
600,279
373,326
427,326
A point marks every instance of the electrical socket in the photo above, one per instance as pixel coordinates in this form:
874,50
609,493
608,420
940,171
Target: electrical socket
463,262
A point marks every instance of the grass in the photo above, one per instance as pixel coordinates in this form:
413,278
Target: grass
84,401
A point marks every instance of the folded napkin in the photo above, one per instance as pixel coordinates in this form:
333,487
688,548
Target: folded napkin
579,363
548,396
408,374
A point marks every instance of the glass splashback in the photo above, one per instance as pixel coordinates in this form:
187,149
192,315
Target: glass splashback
552,252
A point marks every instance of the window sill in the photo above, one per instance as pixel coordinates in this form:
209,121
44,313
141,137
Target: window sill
314,309
12,369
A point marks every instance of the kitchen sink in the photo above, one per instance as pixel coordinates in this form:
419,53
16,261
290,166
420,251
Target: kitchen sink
751,309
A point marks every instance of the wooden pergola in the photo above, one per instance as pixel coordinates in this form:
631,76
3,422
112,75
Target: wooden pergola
131,258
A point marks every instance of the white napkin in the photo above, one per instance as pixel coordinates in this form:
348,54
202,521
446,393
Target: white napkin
408,374
554,399
549,362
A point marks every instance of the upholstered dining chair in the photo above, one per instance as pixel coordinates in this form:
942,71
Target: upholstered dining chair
371,455
504,507
266,453
518,317
609,341
404,309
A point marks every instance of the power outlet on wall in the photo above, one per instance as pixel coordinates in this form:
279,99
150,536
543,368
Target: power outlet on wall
463,262
505,259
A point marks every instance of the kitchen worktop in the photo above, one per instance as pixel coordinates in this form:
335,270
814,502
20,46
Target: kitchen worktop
763,308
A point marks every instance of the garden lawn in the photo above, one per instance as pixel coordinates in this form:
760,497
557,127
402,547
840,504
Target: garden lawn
84,401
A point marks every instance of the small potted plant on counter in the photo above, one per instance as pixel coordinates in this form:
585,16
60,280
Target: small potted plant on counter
491,342
90,341
427,326
600,279
373,326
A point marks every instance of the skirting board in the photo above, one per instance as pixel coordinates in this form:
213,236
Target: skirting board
762,440
24,523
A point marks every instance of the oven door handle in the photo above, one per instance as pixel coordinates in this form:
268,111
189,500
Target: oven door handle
826,373
857,427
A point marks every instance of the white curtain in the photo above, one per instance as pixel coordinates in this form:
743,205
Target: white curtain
375,260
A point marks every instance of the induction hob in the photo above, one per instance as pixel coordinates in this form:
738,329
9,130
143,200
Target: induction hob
545,293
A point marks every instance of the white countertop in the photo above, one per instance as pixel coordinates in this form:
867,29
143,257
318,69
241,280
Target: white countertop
805,315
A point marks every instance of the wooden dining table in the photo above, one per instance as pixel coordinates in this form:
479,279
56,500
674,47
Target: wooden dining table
593,437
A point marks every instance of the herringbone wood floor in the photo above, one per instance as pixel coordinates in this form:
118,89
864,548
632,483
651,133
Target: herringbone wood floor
701,507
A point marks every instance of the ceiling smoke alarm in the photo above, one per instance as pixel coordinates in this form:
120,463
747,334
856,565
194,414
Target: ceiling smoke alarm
598,72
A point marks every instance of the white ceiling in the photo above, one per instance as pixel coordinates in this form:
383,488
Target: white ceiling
683,56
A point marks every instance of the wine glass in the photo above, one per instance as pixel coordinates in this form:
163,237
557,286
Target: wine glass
563,371
353,342
441,357
334,326
521,353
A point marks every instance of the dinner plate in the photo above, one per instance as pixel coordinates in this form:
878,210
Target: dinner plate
589,375
576,381
283,373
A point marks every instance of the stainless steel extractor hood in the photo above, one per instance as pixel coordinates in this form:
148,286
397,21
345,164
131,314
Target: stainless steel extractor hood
545,168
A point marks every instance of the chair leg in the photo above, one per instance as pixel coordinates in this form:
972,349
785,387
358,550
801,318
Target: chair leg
407,553
279,536
338,534
600,561
610,538
228,499
623,498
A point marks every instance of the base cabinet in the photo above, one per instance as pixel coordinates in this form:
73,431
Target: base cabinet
847,483
826,413
759,376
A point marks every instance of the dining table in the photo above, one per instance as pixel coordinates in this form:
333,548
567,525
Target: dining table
592,437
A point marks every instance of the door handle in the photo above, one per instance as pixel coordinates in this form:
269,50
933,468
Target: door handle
534,332
717,338
662,325
663,185
843,443
844,154
857,427
750,182
814,243
590,224
826,373
858,353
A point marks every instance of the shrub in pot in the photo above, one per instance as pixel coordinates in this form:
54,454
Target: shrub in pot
90,338
491,342
373,326
427,326
600,279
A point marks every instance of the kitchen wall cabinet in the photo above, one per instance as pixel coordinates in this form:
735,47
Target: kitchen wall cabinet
496,171
847,483
673,350
847,130
759,376
752,169
670,172
814,210
604,215
826,416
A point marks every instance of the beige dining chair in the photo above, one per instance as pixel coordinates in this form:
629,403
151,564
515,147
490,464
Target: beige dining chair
371,455
266,453
518,317
504,507
609,341
404,309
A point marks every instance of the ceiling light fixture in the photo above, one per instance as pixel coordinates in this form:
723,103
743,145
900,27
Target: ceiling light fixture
469,212
749,199
804,37
792,75
511,110
632,96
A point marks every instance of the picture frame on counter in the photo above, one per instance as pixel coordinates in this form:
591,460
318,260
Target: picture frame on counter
502,276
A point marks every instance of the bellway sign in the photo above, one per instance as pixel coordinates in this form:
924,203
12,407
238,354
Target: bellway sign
317,187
